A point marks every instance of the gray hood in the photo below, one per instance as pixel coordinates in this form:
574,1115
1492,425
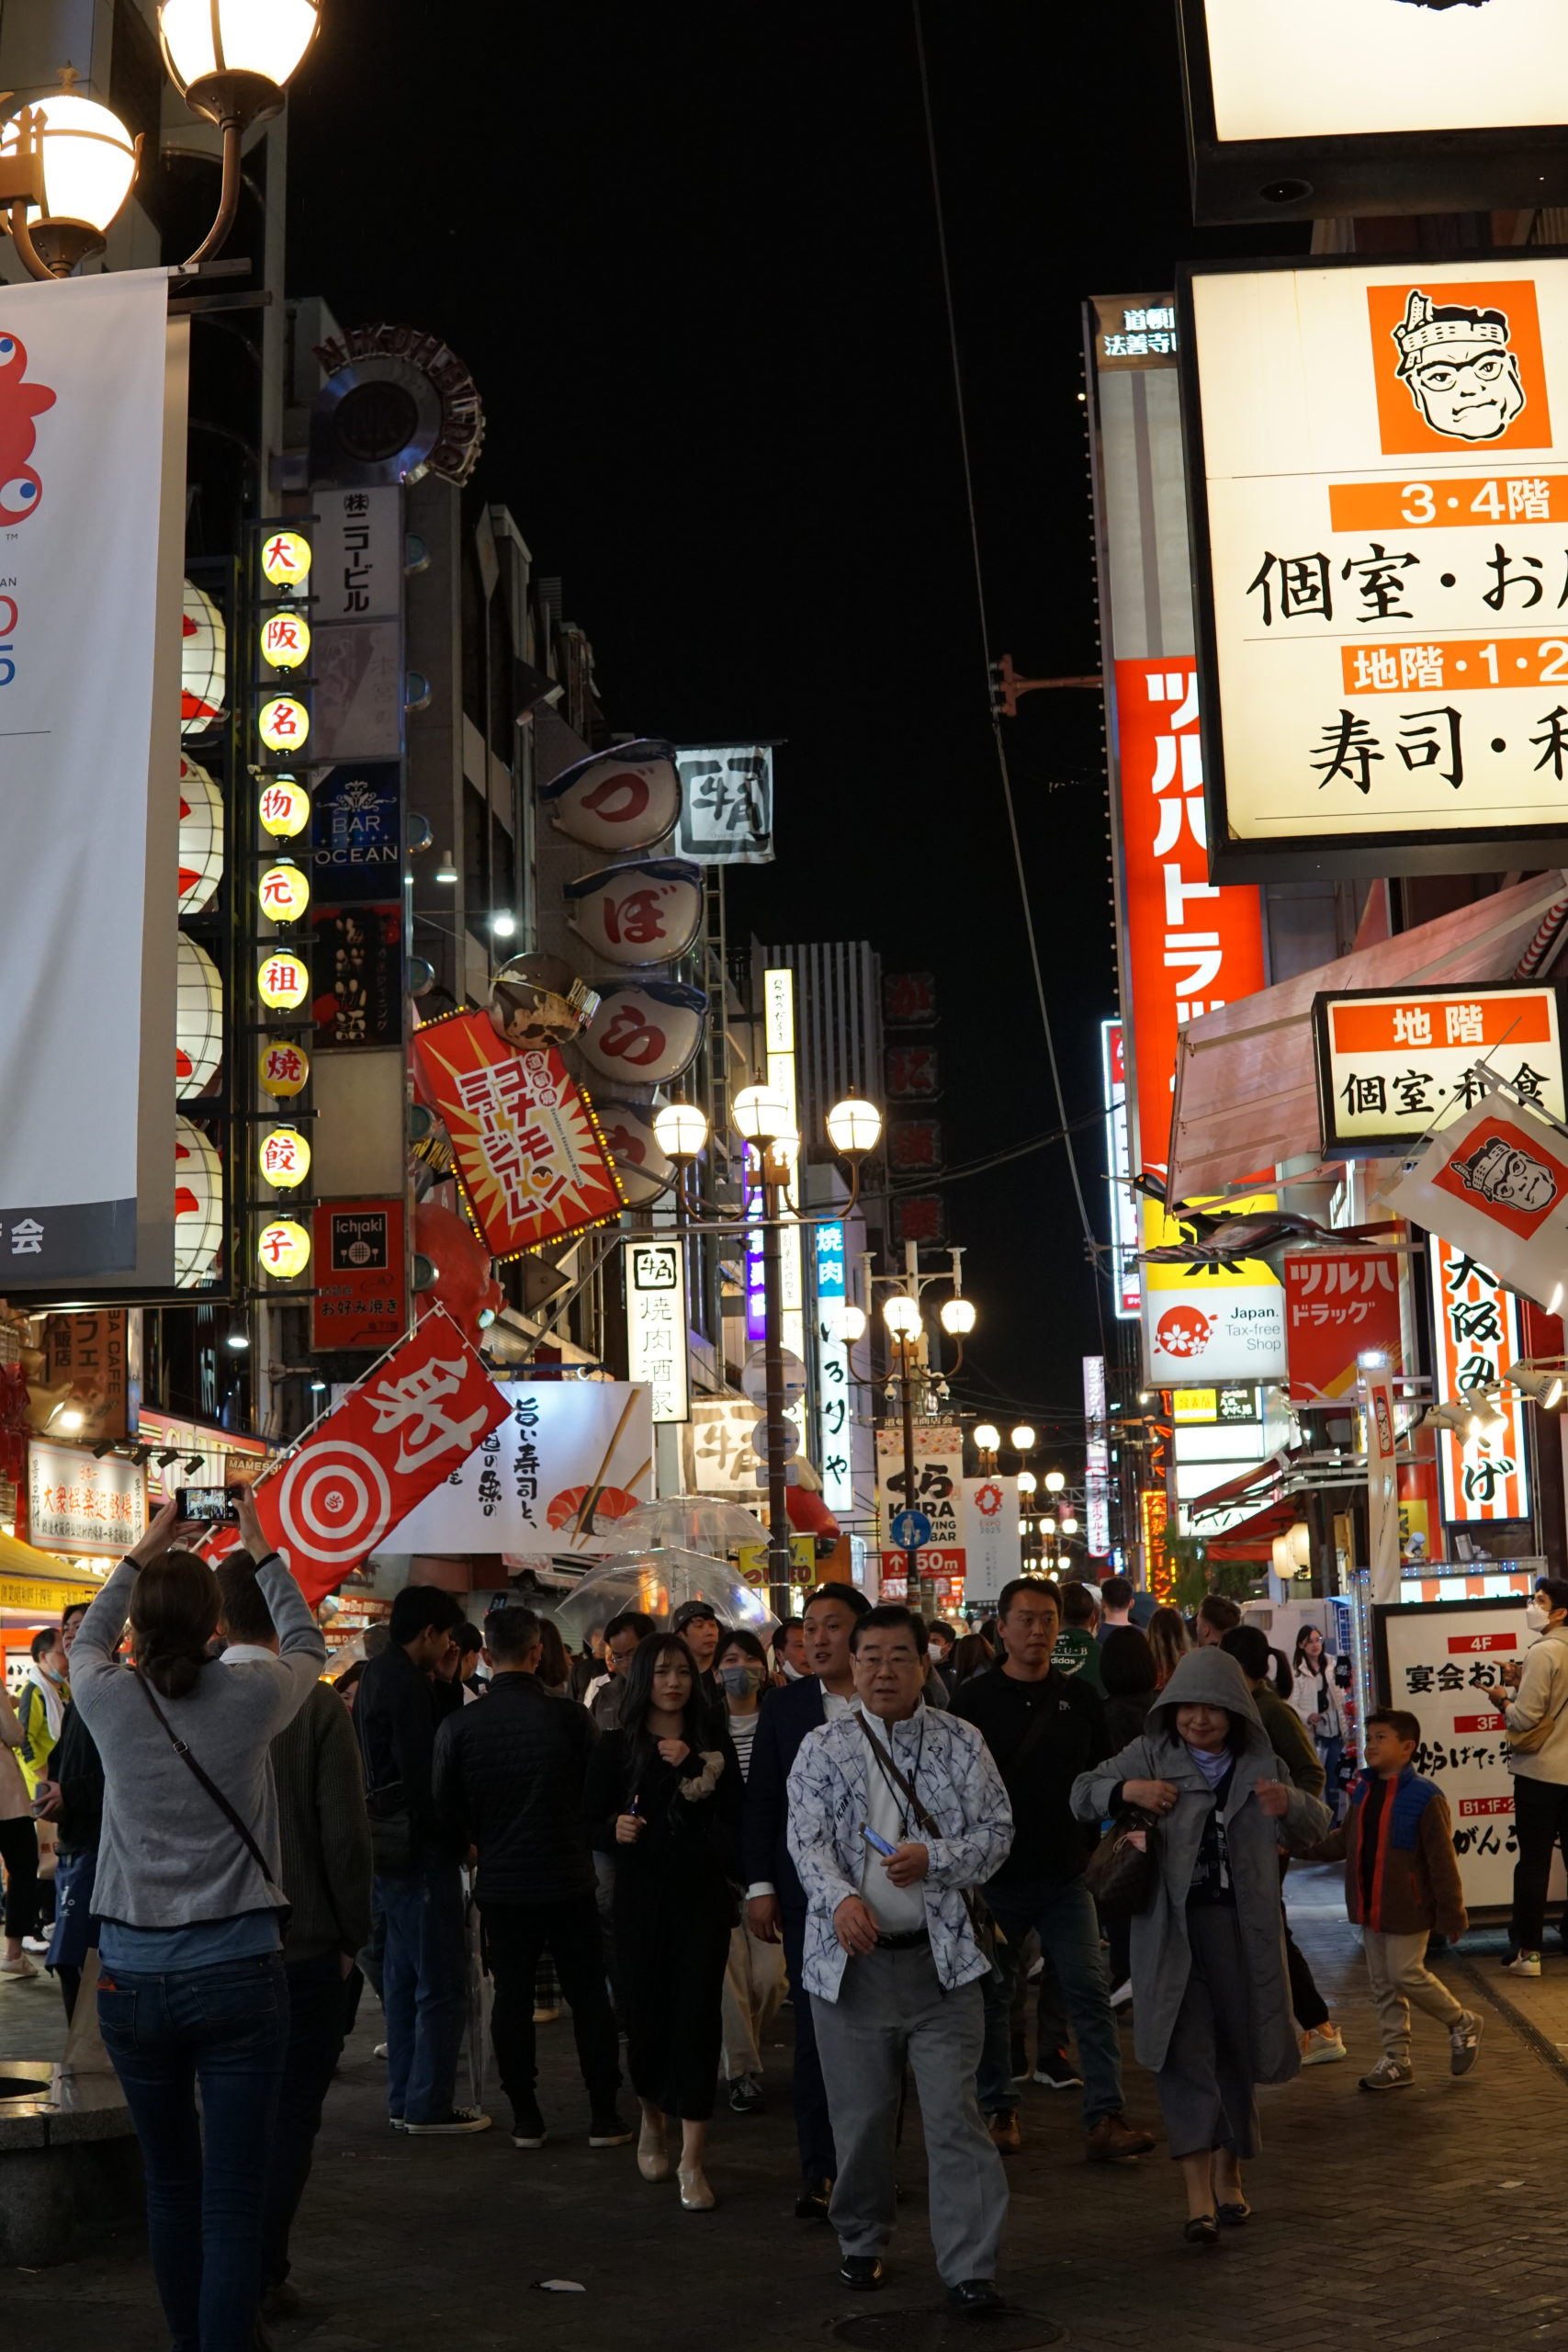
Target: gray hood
1209,1678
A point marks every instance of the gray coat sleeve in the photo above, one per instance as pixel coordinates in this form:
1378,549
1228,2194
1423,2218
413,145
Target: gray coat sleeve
1092,1790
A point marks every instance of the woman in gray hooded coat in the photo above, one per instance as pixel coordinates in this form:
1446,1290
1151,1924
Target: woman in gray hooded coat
1212,1998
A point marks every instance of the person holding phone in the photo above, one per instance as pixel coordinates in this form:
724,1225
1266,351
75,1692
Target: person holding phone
191,1989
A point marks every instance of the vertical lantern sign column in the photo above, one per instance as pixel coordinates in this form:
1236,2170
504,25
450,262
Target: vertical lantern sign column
281,1160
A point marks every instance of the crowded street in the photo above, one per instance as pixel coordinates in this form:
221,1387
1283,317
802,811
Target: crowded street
784,1175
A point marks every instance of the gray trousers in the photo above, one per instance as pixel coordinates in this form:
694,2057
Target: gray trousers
1207,2089
891,2008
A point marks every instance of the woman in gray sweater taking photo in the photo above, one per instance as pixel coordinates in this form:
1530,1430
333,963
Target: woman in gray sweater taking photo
191,1989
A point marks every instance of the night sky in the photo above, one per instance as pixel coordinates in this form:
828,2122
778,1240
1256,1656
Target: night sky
689,254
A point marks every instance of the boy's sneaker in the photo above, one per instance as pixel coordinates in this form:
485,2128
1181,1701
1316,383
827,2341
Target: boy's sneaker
456,2119
1523,1963
1323,2045
1057,2072
1390,2075
527,2125
1464,2041
746,2095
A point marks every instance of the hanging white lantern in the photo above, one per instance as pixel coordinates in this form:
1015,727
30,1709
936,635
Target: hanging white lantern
201,838
198,1017
198,1204
283,1248
204,662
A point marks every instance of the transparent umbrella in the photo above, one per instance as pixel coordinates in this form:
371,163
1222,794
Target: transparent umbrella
698,1522
657,1581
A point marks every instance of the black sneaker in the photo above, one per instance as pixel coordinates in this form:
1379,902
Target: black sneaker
812,2203
607,2130
528,2126
860,2271
746,2095
1057,2070
456,2120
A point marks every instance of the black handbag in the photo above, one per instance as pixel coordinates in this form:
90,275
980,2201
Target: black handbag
1121,1876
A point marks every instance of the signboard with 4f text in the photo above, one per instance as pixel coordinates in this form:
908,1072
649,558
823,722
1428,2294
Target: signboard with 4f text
1393,1065
1382,563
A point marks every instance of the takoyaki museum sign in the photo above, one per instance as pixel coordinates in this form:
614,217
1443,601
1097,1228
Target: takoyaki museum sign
566,1463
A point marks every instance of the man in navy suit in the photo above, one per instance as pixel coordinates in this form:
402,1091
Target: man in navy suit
776,1900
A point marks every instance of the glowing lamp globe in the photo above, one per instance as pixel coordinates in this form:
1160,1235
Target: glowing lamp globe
283,981
283,1069
233,57
198,1017
1069,1527
901,1315
988,1437
958,1316
682,1130
853,1128
1054,1481
1023,1439
1047,1527
283,723
286,640
201,838
284,892
759,1113
204,662
1026,1482
851,1323
88,162
283,808
285,1157
283,1248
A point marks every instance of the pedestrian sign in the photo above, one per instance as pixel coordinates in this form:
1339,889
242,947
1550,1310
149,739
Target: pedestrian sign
911,1530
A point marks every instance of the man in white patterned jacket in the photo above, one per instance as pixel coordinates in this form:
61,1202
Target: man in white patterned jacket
894,1811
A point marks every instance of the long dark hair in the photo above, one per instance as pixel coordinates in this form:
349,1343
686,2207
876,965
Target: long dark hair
173,1615
636,1704
1301,1640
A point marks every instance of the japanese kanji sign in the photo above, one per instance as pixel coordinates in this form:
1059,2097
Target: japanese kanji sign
1339,1306
561,1463
835,1390
1128,1291
530,1160
727,805
1206,1323
937,1489
723,1461
1383,569
361,1287
397,1433
1475,1325
656,1324
1393,1066
1496,1183
79,1506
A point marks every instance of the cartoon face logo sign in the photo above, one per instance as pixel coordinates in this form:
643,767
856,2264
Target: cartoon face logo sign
20,489
1457,365
1508,1177
1183,1332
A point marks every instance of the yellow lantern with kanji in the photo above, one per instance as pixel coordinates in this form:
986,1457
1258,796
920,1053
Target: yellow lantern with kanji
284,892
285,1157
283,981
283,723
283,1248
285,640
285,558
283,1069
283,808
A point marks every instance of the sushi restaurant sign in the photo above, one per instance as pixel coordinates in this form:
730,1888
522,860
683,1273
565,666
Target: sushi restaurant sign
563,1467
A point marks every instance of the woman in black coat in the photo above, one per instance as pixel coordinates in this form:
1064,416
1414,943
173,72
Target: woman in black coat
663,1798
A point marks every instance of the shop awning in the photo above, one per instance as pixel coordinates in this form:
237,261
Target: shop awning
1238,1488
1253,1539
38,1581
1246,1091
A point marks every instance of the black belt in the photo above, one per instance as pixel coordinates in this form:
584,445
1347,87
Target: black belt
905,1942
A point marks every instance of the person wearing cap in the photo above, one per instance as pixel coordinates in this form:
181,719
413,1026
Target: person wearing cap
699,1626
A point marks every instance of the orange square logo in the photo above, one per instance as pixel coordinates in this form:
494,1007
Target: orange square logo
1459,367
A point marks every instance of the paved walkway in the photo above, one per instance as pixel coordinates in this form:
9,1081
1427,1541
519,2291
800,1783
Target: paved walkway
1429,2218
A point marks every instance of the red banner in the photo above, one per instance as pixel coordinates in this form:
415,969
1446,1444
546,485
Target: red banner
531,1161
1339,1306
395,1437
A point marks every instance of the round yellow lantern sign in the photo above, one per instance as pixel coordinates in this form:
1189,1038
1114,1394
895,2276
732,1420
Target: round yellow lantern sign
285,1157
285,1070
285,640
285,558
283,723
283,981
283,808
283,1248
284,892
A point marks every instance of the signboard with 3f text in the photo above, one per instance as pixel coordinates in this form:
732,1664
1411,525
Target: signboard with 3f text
1393,1065
1381,497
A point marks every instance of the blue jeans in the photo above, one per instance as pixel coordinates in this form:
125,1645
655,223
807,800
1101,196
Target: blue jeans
1063,1915
318,2019
223,2029
424,1973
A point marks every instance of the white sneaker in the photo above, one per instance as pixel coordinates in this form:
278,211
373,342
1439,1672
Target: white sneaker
18,1968
379,2051
1323,2045
1523,1963
35,1943
1122,1994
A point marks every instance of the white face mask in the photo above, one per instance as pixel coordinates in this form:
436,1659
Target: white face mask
1537,1617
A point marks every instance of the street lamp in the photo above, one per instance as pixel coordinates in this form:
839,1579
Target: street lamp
1027,1482
682,1130
66,167
759,1113
230,60
987,1438
853,1128
851,1324
1054,1482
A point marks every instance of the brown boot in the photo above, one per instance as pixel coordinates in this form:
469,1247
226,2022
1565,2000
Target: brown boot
1113,2138
1005,2133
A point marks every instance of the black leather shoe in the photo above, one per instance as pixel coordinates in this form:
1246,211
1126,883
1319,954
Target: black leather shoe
974,2298
861,2271
811,2205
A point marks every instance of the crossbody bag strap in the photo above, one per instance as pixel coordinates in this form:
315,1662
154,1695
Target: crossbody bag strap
213,1791
898,1779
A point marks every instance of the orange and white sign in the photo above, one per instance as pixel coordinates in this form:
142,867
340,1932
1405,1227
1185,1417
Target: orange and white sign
1382,492
1392,1066
1475,1325
1496,1183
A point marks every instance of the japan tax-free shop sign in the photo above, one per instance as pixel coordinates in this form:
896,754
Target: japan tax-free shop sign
1377,467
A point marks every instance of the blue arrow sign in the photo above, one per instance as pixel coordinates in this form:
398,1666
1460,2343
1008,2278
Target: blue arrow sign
911,1530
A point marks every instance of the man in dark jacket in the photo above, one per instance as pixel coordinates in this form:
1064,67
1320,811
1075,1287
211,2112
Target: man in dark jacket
776,1900
419,1889
73,1798
508,1779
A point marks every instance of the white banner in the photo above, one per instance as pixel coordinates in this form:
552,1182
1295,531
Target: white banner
993,1552
89,648
568,1462
656,1325
81,1506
